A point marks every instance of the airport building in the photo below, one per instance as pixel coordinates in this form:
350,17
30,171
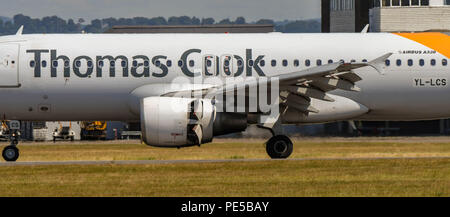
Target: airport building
385,15
234,28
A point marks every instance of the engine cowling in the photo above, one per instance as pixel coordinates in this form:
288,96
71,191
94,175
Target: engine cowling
182,122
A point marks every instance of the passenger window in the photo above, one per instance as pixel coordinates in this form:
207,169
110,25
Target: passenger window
251,63
399,62
146,63
180,63
208,63
410,62
307,63
421,62
364,61
89,64
240,63
124,64
55,64
169,63
100,63
433,62
296,63
330,61
387,62
285,63
135,63
274,63
444,62
112,64
191,63
66,64
319,62
262,63
32,64
44,63
78,64
158,63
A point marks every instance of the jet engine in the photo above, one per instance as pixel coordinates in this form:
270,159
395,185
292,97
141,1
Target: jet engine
183,122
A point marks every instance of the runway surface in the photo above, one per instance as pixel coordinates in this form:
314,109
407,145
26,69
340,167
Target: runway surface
160,162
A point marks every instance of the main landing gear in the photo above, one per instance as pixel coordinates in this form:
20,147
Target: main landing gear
279,146
11,153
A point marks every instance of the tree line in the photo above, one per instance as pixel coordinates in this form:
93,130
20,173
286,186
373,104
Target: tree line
55,24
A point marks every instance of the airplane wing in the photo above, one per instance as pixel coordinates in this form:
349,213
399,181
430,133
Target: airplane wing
297,88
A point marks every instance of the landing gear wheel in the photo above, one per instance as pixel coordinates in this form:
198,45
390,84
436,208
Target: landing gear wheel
279,147
10,153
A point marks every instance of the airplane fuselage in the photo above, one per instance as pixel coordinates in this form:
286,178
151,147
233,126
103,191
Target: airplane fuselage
95,76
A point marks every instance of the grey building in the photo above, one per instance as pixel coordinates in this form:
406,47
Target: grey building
385,15
234,28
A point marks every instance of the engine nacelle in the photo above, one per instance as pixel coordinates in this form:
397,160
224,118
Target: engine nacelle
182,122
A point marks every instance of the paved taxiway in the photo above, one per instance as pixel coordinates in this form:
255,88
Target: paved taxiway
157,162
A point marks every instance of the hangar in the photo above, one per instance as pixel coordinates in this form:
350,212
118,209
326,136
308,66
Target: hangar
385,15
388,16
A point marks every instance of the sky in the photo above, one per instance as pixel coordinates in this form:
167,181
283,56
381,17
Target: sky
252,10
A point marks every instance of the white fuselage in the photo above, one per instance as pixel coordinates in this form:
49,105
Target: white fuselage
402,93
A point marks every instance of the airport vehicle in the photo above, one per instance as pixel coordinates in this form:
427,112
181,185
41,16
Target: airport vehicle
185,89
93,130
4,131
64,133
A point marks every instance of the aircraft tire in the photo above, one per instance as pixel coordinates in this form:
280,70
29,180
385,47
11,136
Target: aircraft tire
279,147
10,153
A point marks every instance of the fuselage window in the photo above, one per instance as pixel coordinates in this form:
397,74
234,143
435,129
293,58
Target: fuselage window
100,63
330,61
285,63
387,62
307,63
180,63
208,63
112,64
135,63
296,63
421,62
158,63
444,62
274,63
433,62
67,64
399,62
44,63
353,61
124,64
410,62
319,62
364,61
240,63
55,63
262,63
250,63
169,63
191,63
146,63
89,64
78,64
32,64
